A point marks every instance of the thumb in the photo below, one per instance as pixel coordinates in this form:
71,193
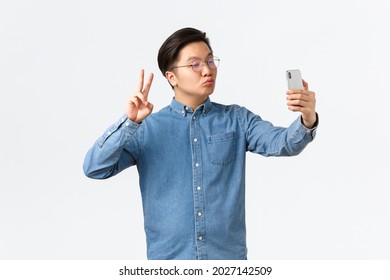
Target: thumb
150,106
305,84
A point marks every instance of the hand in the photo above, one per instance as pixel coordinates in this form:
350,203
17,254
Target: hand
303,101
138,107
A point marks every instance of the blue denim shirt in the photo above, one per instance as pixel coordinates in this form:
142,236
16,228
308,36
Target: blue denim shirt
191,167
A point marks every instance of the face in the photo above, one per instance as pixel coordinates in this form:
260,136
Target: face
192,88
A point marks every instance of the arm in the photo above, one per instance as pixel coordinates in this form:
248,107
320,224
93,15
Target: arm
264,138
268,140
114,151
119,146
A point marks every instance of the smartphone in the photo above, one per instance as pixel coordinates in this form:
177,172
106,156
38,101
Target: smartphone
294,79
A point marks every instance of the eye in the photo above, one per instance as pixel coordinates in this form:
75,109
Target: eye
211,63
196,64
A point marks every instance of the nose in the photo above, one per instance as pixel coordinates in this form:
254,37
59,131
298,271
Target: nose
206,70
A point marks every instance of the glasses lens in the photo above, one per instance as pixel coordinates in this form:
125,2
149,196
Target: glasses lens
197,65
213,62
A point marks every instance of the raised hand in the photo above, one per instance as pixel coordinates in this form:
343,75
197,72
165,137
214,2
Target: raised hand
138,107
303,101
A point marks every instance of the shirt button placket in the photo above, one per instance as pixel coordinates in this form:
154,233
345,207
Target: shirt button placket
198,193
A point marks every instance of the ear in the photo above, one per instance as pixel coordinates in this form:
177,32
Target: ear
171,78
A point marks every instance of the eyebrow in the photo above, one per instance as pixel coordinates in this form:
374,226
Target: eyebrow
196,57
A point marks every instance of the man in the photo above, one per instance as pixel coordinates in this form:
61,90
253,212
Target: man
191,155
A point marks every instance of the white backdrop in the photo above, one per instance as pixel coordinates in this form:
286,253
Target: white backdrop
67,67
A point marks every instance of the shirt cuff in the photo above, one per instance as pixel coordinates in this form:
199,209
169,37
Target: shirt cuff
312,131
127,123
123,123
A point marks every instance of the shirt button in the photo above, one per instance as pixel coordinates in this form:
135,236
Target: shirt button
199,214
200,238
197,164
127,123
122,119
195,140
109,133
193,117
198,188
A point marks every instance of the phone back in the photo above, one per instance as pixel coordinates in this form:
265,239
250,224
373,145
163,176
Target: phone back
294,79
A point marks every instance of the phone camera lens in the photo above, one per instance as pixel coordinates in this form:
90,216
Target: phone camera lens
289,75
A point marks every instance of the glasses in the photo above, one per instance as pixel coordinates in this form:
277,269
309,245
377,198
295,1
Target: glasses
197,64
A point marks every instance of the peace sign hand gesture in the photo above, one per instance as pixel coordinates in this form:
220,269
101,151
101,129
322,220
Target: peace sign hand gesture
138,107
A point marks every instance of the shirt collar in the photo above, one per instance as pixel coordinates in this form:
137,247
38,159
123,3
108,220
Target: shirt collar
183,109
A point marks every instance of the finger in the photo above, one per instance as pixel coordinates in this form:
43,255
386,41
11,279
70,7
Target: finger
141,80
300,96
150,106
135,101
298,109
147,86
141,97
294,91
297,103
294,108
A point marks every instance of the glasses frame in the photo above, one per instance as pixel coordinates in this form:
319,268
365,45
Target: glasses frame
203,62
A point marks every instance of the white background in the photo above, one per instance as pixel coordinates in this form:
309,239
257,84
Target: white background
67,68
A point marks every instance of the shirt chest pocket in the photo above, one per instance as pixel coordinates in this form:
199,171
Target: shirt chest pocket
222,148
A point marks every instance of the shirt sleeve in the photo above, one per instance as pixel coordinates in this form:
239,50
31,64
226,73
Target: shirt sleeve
268,140
114,151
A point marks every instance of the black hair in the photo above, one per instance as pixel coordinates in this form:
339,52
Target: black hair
169,50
